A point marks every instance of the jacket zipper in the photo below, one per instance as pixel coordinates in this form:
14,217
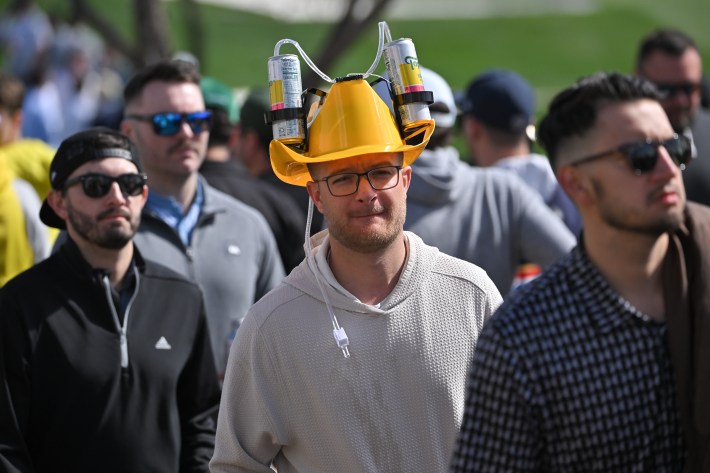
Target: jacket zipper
122,330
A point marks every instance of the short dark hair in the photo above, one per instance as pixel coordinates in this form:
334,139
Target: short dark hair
669,41
12,92
174,71
220,128
573,111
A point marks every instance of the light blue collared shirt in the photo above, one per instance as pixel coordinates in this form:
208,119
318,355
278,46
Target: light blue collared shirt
170,211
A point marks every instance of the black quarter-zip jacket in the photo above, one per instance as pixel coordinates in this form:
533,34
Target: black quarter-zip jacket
86,386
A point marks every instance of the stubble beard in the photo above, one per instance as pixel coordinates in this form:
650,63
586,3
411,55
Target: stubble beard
371,241
114,237
624,220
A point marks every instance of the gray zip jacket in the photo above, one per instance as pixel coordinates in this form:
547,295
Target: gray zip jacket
232,257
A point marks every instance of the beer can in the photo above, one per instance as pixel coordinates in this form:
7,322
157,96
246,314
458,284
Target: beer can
285,94
405,76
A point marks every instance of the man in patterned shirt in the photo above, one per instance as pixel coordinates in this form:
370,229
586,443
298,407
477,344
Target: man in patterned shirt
580,370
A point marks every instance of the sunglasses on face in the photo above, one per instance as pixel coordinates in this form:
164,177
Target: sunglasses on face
642,156
169,123
670,90
98,185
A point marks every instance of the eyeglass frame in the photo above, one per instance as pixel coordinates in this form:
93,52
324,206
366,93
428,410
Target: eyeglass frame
359,175
184,118
622,148
117,179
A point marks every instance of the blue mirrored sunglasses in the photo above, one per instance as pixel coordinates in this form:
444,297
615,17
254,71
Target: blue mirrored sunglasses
170,123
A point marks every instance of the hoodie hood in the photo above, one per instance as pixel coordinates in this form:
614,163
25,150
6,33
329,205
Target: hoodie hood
436,177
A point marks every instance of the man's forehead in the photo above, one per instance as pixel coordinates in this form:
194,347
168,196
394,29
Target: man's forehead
109,164
365,161
665,68
168,95
618,123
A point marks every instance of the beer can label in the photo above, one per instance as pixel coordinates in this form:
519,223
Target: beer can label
276,94
411,75
405,75
285,92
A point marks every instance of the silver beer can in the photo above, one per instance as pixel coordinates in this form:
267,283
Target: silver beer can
285,93
405,76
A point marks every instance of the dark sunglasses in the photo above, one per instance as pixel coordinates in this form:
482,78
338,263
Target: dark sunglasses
98,185
643,155
169,123
670,90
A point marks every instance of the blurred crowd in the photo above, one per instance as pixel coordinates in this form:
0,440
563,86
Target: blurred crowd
193,160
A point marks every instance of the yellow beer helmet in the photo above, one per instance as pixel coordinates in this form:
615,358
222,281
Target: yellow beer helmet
352,121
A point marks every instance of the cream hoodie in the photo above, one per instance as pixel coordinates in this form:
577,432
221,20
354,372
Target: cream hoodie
293,400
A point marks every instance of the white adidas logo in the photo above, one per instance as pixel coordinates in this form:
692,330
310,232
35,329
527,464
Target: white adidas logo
162,344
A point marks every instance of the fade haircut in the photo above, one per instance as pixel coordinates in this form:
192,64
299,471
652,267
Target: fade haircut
668,41
12,93
573,112
174,71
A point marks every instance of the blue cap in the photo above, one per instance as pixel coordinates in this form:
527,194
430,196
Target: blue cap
500,99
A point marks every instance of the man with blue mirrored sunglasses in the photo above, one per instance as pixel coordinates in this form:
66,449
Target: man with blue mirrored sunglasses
211,238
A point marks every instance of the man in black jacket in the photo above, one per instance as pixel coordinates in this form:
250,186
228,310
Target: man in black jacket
105,358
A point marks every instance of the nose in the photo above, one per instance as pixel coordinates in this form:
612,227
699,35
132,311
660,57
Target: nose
665,166
185,129
365,192
115,194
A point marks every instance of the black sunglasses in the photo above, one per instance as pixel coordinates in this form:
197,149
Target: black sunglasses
98,185
643,155
670,90
169,123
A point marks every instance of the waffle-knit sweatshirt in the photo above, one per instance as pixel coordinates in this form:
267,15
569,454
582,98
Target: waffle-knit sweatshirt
291,398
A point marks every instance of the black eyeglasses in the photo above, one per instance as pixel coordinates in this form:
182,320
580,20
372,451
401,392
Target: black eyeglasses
643,155
97,185
382,178
670,90
169,123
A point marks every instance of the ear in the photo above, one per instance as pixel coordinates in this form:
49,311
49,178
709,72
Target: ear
471,127
126,128
313,189
57,202
406,177
17,120
577,185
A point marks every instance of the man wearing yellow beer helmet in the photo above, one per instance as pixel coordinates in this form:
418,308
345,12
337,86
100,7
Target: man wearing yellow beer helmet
357,362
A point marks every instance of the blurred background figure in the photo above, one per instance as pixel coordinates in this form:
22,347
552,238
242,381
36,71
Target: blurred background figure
25,36
223,245
28,158
23,238
24,169
226,173
671,60
498,114
487,216
252,148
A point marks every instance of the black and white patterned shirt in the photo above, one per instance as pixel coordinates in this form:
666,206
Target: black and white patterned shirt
570,377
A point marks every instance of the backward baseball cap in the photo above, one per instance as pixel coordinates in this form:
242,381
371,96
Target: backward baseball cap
501,99
78,149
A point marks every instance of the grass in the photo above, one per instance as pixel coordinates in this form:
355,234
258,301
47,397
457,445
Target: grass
551,51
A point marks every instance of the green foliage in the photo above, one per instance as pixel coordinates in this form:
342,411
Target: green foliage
550,50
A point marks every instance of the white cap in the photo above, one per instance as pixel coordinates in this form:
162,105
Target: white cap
442,94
